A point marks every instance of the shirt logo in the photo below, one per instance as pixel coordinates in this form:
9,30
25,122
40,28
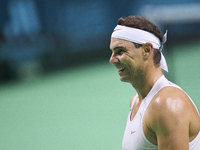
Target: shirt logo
133,132
116,30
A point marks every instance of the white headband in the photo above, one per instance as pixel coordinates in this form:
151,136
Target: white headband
141,37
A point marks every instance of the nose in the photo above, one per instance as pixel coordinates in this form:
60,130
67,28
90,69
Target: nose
113,59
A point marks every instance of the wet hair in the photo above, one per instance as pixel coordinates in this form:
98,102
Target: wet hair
142,23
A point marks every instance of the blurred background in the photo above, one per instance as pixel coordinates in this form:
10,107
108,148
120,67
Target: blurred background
57,89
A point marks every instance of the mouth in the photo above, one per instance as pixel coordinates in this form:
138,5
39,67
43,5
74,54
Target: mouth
120,70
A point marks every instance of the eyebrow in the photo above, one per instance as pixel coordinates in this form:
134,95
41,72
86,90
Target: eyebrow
114,49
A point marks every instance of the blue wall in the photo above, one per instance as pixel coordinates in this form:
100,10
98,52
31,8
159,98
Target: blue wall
48,30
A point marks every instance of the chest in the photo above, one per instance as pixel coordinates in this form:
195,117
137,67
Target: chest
136,132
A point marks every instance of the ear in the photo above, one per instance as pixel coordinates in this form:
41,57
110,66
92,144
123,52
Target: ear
147,49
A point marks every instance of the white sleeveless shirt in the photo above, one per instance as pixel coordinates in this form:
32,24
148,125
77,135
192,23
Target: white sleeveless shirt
134,137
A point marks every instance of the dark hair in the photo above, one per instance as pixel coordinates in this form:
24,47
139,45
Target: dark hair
142,23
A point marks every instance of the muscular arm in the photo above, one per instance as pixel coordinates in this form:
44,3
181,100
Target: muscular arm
170,121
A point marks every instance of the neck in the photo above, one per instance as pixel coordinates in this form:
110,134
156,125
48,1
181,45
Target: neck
144,83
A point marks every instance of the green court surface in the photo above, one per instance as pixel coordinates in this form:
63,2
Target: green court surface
81,108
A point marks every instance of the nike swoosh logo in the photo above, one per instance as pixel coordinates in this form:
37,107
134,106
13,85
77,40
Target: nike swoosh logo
116,30
133,132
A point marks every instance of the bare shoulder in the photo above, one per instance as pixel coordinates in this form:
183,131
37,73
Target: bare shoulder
171,108
172,99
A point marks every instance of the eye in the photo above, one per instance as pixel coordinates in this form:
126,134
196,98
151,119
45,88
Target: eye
121,51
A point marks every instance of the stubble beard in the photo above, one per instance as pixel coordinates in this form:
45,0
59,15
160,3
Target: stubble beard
137,78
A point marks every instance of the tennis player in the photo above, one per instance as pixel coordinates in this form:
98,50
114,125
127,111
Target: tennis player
162,116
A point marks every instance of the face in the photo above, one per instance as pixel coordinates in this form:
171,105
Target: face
127,59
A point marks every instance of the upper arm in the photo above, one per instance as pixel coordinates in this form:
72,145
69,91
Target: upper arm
170,121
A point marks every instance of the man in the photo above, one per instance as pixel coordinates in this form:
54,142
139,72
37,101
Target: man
162,116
